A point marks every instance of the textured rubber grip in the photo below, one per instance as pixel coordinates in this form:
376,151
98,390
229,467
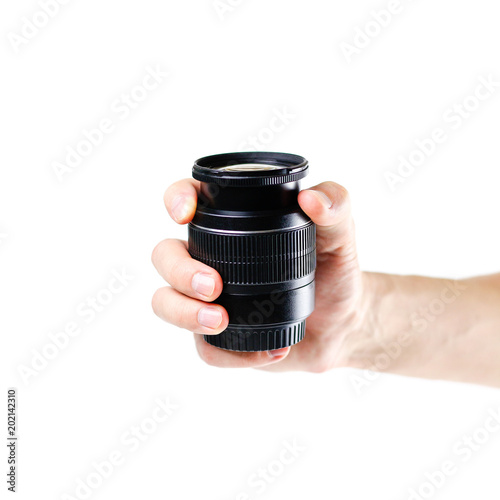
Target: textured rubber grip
257,258
258,339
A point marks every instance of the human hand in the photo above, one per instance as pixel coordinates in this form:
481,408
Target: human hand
340,299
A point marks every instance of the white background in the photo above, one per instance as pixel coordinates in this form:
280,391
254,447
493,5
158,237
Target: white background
61,240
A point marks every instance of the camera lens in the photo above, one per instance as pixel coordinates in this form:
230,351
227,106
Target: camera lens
249,227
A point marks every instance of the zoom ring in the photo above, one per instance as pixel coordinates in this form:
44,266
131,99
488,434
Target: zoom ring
258,258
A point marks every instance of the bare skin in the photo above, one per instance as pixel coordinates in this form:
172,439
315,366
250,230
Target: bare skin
409,325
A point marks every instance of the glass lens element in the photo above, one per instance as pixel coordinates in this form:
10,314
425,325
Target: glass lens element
248,167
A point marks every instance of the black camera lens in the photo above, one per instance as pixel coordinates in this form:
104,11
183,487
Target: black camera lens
249,227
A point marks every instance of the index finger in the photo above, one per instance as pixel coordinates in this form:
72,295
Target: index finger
181,198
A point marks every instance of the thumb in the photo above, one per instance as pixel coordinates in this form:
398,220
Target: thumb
328,205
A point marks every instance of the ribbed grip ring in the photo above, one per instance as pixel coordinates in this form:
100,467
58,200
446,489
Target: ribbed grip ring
249,181
257,258
258,339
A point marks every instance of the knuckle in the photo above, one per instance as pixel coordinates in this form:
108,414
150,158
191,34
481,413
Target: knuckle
178,273
340,197
341,194
185,272
156,301
162,257
184,314
157,252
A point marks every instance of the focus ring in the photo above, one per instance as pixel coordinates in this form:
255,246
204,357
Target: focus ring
258,258
248,181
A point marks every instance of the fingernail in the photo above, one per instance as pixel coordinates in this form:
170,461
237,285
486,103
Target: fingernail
180,208
210,317
278,353
325,201
203,284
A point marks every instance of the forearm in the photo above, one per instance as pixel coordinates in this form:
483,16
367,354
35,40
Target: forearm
432,328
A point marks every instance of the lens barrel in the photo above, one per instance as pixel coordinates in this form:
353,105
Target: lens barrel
249,227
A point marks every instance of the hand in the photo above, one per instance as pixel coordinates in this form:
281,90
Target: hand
340,299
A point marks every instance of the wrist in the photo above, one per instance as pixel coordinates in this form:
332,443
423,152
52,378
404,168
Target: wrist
367,342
